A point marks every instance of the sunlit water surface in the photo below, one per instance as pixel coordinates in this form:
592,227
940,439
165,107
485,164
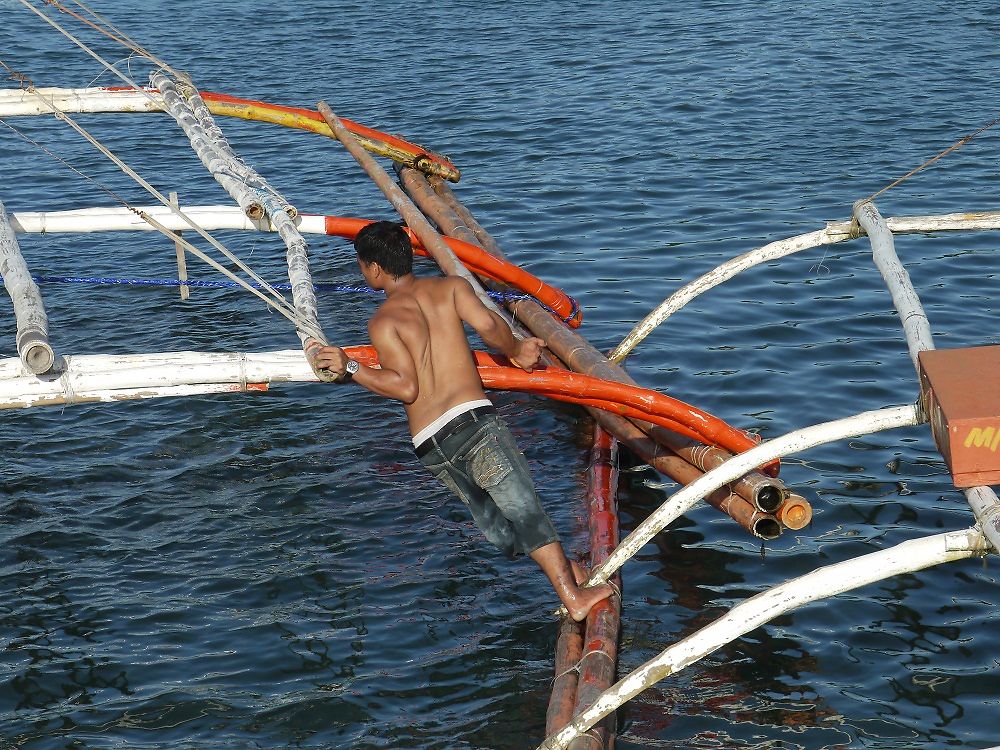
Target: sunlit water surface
276,570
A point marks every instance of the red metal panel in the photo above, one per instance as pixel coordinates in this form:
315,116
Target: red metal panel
960,391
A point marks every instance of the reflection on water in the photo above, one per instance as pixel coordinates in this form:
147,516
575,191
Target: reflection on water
756,680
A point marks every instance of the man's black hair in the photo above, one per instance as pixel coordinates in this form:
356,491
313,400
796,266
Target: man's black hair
385,243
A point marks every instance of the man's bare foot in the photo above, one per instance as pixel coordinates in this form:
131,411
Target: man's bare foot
585,600
565,579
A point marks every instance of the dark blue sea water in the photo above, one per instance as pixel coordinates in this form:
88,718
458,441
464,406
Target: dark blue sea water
275,570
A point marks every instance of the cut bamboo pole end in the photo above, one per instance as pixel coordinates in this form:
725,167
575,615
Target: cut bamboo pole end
794,513
35,351
32,326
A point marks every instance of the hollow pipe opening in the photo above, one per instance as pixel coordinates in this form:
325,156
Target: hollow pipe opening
766,528
35,351
795,513
768,498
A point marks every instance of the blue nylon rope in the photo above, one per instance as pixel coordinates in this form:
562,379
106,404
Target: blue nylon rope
500,296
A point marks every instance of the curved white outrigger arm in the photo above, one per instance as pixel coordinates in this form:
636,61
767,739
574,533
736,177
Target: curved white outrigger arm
830,580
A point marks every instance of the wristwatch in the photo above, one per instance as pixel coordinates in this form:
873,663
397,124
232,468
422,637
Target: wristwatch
349,371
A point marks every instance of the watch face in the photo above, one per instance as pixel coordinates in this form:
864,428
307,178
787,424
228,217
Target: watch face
353,366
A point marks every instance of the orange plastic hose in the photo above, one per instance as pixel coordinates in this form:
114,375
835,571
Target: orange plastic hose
480,262
618,398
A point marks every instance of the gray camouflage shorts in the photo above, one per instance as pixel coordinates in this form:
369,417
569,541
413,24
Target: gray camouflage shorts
483,467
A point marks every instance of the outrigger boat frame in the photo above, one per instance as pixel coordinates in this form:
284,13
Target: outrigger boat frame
40,376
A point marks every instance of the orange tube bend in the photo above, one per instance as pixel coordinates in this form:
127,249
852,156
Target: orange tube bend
618,398
480,262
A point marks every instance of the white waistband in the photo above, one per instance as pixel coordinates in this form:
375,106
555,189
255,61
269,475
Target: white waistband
445,418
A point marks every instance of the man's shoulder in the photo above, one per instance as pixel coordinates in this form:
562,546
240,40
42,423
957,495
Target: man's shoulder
393,313
441,283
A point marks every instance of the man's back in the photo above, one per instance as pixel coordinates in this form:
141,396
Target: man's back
423,322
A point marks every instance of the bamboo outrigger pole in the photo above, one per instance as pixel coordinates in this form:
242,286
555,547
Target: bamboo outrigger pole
904,297
221,166
257,200
983,500
430,239
32,324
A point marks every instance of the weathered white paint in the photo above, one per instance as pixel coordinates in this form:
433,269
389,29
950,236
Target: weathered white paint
824,582
32,326
256,199
986,505
112,377
114,219
22,102
225,170
904,297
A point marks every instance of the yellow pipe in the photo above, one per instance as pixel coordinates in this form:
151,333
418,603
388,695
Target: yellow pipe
260,112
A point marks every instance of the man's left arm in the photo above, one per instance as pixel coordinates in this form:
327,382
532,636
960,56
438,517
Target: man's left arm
396,376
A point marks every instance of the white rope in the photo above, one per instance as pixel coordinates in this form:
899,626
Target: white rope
280,303
306,327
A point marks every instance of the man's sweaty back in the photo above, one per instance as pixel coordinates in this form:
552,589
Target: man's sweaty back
418,333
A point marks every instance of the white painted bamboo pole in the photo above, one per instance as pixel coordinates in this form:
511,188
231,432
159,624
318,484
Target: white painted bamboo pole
115,377
32,325
256,200
904,296
245,171
113,219
983,500
222,169
793,442
412,215
830,580
833,233
228,217
22,102
986,505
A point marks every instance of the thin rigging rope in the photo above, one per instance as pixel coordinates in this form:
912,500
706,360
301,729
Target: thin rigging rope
131,82
278,302
111,31
953,147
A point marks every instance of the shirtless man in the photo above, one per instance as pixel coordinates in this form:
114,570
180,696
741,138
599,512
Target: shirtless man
426,363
